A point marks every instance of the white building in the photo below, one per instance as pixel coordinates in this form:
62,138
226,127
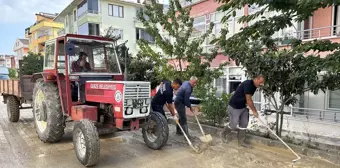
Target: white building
94,17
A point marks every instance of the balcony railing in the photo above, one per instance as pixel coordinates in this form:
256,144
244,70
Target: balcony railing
88,12
316,33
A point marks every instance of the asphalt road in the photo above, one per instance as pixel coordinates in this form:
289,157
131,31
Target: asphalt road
20,147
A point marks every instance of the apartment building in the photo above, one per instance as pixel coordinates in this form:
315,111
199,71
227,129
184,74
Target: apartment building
7,61
314,114
94,17
21,48
43,30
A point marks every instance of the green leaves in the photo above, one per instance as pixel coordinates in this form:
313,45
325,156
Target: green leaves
32,63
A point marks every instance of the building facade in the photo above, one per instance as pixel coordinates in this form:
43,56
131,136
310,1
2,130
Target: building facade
21,48
7,61
43,29
94,17
313,114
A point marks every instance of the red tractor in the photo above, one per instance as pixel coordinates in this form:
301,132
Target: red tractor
96,97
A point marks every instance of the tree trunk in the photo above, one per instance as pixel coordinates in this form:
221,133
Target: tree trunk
281,124
277,122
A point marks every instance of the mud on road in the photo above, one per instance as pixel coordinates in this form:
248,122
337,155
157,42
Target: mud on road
20,147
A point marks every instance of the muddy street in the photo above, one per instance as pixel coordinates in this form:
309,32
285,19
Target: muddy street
20,147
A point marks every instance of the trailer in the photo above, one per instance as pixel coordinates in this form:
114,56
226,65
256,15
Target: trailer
16,92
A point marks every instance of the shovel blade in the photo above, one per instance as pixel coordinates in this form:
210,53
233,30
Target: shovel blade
206,139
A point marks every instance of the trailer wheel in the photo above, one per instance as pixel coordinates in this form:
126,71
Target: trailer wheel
86,142
156,131
13,111
47,112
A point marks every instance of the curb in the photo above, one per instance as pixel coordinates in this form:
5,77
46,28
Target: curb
331,156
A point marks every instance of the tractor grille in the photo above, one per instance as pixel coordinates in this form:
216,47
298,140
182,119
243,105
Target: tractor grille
136,99
137,91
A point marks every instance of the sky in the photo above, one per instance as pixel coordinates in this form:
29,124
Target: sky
17,15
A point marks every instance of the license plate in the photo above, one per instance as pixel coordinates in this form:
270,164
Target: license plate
137,103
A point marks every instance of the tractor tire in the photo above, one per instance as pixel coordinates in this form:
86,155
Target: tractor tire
86,142
156,131
47,112
13,110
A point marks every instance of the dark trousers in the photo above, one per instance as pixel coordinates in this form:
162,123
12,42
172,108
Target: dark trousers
158,108
182,117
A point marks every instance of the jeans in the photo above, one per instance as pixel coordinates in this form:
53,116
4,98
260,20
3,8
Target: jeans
182,117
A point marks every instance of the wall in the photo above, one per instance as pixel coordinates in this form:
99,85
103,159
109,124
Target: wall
322,18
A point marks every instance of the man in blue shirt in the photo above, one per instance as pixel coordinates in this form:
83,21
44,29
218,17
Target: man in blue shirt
165,95
182,100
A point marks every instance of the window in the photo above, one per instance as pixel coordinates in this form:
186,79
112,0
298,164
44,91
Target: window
74,15
221,86
92,6
35,35
49,56
82,8
117,32
35,49
334,99
116,11
83,29
141,34
216,19
66,20
253,8
94,29
199,26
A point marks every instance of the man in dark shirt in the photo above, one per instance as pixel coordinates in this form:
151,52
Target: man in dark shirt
81,65
182,100
238,111
165,95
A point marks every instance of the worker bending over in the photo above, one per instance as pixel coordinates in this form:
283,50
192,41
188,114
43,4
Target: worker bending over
238,111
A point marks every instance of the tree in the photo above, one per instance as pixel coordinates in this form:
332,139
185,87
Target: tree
32,63
12,73
180,42
288,72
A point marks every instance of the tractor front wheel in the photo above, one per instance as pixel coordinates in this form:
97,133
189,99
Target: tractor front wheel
47,112
86,142
156,131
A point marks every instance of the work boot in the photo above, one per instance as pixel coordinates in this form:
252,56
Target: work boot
178,130
242,139
225,134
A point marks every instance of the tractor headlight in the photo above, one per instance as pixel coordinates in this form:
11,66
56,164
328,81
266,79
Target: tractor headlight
128,111
144,110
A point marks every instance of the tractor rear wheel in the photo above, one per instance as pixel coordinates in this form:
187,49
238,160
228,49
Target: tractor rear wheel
47,113
86,142
13,111
156,131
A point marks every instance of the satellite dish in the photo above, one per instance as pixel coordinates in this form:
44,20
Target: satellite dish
70,49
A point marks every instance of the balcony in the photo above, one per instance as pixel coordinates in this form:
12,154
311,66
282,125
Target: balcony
43,39
91,16
316,33
45,24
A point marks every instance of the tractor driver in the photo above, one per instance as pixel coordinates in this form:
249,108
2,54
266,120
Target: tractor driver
81,65
165,95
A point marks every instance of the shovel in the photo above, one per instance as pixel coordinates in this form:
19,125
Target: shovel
195,148
206,138
297,156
